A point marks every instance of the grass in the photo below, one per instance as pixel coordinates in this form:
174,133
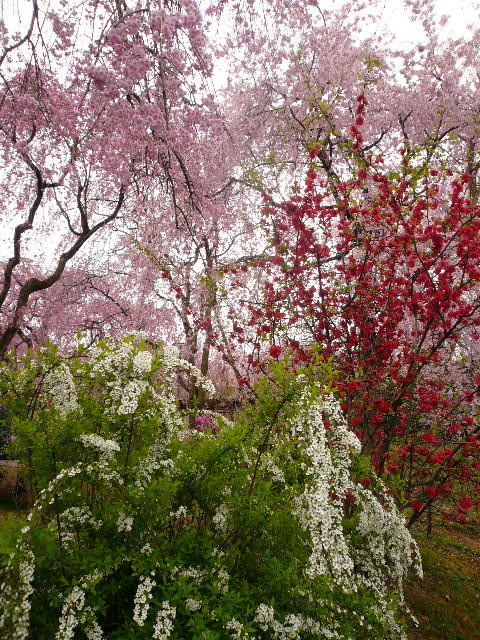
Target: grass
447,601
10,507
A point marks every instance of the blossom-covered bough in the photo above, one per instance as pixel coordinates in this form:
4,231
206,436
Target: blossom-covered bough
151,527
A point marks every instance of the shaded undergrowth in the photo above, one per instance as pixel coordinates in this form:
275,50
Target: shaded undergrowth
447,601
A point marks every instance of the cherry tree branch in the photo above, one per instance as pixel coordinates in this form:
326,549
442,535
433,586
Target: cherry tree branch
26,37
34,285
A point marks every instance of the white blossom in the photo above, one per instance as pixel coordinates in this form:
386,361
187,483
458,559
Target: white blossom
220,518
317,510
164,621
94,631
131,395
293,625
61,387
388,550
108,447
69,619
71,519
223,580
16,606
264,616
192,572
124,523
142,362
192,604
142,599
91,627
235,628
268,465
181,512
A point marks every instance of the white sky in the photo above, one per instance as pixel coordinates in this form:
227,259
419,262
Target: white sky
461,15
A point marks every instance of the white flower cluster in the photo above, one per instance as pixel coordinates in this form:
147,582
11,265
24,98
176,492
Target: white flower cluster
223,579
142,599
61,387
164,622
236,629
172,421
388,551
172,362
71,519
268,465
15,607
192,604
75,613
264,616
93,631
192,572
116,366
114,361
293,625
106,447
181,512
124,522
69,620
319,507
220,518
150,464
171,358
142,362
131,395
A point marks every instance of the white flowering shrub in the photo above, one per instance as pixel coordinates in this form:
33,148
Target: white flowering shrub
63,410
148,527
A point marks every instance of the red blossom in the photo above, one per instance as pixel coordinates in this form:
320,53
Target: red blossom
275,351
465,503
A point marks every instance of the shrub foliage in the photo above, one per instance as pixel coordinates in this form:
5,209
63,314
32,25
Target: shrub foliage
149,520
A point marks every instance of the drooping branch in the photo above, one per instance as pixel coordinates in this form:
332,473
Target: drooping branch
19,43
34,285
17,237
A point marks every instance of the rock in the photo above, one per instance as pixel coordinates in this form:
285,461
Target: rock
8,478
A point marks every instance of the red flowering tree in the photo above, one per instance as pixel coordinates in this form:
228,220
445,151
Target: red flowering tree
381,272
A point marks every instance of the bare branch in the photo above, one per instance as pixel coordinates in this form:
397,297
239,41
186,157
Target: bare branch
33,285
25,37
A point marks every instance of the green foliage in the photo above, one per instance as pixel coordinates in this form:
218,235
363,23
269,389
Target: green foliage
145,527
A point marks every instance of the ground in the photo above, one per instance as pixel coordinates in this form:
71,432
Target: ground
447,601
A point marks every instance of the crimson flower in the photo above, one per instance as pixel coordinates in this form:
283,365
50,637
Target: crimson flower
275,351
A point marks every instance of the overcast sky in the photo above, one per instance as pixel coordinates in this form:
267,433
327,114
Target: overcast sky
461,15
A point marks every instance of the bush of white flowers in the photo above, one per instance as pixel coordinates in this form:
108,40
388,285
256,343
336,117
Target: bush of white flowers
143,526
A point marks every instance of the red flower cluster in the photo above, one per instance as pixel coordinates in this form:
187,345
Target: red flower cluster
382,274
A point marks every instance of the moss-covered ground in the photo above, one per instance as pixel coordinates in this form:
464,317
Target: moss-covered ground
447,601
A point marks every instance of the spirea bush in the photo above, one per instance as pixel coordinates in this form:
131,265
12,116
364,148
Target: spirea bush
152,521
